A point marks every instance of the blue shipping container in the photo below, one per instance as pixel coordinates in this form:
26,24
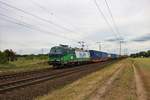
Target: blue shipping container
113,56
95,55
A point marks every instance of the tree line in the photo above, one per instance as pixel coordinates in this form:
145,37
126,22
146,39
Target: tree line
7,55
141,54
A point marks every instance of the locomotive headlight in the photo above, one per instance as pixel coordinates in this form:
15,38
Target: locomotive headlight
71,57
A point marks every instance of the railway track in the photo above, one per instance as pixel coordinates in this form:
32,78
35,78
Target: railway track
29,81
14,84
24,74
20,74
15,76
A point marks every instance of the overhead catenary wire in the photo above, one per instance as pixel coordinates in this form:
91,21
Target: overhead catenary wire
113,20
34,25
40,6
52,14
101,12
35,16
46,19
45,9
115,26
29,26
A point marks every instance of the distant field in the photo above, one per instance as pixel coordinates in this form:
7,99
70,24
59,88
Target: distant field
24,64
144,63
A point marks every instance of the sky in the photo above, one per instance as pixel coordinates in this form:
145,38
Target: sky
34,26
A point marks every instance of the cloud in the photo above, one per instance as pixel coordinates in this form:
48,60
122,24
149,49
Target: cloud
80,16
111,40
144,38
114,39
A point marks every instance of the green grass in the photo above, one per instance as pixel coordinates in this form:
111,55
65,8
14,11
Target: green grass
24,64
143,62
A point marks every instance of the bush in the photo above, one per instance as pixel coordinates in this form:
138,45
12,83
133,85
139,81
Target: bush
7,55
3,58
10,55
141,54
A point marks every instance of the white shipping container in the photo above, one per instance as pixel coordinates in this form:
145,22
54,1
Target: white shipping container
82,54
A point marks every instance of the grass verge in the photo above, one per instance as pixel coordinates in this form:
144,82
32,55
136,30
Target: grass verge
143,66
23,64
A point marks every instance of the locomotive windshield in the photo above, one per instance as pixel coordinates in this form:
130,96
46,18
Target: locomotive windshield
56,51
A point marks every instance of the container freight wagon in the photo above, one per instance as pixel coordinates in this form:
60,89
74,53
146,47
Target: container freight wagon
104,56
114,56
64,55
97,56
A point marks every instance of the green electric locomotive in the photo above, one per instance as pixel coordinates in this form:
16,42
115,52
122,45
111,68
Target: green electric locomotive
63,55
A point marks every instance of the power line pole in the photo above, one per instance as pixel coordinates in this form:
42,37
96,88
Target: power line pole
82,43
120,48
99,45
87,47
42,51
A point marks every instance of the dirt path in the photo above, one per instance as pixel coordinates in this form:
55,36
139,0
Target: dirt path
120,86
107,86
140,91
125,83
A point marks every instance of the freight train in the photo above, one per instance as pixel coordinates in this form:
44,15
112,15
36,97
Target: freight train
63,55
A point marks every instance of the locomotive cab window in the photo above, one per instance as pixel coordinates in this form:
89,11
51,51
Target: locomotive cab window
56,51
